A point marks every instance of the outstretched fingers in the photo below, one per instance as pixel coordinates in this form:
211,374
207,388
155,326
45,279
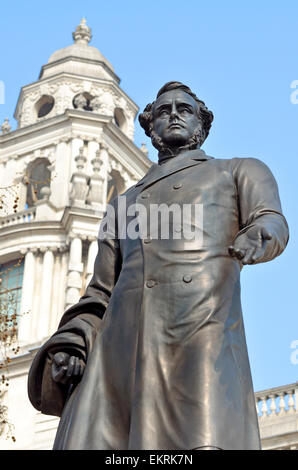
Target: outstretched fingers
236,252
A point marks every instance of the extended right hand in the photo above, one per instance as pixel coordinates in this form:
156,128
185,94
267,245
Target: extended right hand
66,369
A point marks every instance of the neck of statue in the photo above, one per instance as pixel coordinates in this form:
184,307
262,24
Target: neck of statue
169,152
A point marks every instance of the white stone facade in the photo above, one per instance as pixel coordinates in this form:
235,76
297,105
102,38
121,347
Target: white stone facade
84,135
77,119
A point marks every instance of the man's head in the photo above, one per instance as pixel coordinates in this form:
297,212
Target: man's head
177,118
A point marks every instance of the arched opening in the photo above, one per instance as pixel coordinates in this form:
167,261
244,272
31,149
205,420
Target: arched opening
82,101
37,176
44,105
115,185
11,281
120,119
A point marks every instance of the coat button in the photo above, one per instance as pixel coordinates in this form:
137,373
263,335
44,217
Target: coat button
178,228
187,278
150,283
177,186
145,195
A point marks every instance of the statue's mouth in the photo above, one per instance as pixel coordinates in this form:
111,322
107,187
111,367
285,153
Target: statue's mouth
176,125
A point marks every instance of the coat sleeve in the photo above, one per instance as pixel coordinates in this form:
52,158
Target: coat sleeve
259,204
77,329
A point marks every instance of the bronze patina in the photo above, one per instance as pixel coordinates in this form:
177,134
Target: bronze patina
154,354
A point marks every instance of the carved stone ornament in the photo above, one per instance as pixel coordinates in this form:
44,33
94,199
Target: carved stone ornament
6,127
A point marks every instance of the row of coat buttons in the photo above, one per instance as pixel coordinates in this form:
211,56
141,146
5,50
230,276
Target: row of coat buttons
147,195
177,229
151,283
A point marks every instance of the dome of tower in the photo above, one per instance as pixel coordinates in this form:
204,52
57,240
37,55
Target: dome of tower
80,49
64,59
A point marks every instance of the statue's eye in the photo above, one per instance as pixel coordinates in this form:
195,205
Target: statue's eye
184,109
163,112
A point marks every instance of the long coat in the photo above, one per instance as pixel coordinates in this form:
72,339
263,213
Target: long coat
160,325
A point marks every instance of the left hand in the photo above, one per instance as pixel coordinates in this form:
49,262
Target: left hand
66,369
251,245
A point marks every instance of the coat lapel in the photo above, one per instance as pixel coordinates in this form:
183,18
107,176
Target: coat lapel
185,160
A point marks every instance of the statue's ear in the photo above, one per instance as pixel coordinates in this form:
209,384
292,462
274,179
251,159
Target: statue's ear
145,119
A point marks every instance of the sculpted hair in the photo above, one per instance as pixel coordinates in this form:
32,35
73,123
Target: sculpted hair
205,115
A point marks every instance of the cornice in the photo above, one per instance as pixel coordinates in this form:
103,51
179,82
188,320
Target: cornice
72,212
30,228
84,60
51,123
20,363
59,248
73,116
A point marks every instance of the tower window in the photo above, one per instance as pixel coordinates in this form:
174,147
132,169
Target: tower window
119,118
44,105
37,176
11,280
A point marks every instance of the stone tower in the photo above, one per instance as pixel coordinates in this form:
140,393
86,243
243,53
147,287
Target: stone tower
71,153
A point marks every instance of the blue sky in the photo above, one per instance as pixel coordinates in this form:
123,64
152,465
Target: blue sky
241,60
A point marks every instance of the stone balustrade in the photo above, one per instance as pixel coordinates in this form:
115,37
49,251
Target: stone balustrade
277,410
277,401
22,217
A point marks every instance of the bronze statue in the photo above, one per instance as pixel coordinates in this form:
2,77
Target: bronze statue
154,355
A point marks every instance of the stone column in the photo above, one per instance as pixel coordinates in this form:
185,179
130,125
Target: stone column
93,147
63,257
92,252
296,397
79,181
3,212
25,322
61,177
96,192
46,292
75,269
104,157
10,189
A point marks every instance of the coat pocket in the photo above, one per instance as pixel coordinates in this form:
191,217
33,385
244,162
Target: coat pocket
182,306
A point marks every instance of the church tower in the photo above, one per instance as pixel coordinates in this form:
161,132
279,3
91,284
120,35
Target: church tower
71,153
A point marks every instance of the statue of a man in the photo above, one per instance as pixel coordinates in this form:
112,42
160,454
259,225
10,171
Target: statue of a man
154,355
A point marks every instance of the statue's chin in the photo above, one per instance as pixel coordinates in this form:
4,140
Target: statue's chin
175,142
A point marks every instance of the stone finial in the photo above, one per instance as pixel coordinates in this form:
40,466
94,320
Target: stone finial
96,163
80,160
144,149
79,181
6,127
82,34
96,187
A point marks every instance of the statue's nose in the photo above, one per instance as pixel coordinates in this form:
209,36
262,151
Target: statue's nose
174,113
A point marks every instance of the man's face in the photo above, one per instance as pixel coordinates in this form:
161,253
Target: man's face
175,118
